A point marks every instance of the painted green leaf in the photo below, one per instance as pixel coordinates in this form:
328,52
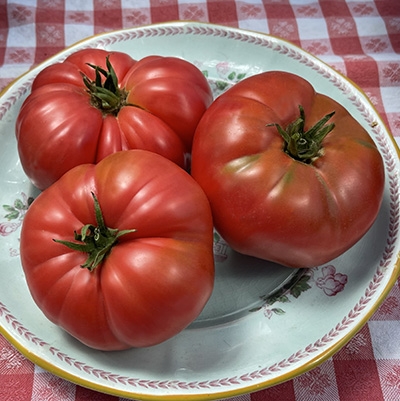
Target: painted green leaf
12,216
8,208
301,286
221,85
217,237
284,299
19,205
277,298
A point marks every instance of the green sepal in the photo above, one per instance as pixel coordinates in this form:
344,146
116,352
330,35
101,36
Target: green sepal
302,145
95,241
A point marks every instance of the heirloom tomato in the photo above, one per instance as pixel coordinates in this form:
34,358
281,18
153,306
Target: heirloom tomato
120,253
98,102
291,176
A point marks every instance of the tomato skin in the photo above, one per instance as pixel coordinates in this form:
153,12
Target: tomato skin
70,71
267,204
166,98
45,144
153,283
150,90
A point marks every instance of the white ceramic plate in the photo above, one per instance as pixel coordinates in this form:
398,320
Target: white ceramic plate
264,323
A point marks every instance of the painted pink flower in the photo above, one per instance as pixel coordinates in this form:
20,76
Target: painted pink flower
223,68
331,282
8,227
13,252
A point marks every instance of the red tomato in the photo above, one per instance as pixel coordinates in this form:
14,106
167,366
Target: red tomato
148,284
299,204
152,104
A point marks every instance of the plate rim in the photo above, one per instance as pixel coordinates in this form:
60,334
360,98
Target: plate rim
221,393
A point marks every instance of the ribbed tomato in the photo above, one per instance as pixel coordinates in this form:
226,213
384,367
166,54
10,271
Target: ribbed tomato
120,254
291,176
98,102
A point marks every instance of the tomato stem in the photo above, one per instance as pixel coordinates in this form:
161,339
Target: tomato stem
106,96
95,241
302,145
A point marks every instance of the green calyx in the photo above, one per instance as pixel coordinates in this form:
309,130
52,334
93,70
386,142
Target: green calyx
105,96
95,241
305,146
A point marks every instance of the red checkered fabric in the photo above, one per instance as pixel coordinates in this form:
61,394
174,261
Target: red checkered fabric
359,38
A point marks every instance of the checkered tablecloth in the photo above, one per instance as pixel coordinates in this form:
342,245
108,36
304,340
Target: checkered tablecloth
359,38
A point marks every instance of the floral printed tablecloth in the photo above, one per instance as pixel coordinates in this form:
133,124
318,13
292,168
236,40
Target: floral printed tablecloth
361,39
